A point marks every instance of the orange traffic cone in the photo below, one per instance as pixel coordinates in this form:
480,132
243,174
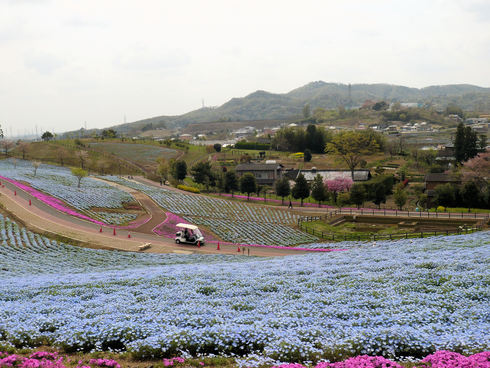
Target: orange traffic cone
238,249
15,192
199,244
100,230
114,231
217,248
30,202
129,235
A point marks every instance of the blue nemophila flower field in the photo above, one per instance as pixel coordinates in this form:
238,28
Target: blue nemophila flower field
232,221
60,183
397,299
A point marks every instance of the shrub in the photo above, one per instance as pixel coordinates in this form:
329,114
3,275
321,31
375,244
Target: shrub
188,188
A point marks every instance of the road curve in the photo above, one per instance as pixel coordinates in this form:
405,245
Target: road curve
42,218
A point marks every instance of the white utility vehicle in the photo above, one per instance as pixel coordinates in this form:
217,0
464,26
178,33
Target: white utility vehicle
188,234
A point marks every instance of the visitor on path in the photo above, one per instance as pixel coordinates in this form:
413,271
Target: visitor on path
290,204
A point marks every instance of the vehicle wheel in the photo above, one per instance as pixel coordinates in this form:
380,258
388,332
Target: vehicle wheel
177,241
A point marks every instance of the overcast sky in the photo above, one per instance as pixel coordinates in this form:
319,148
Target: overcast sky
65,62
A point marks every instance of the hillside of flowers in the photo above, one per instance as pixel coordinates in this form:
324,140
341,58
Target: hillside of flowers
60,183
232,221
396,300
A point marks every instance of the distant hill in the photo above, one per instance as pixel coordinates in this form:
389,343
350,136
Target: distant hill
262,105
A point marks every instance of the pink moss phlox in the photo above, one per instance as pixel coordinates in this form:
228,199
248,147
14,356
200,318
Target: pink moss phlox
104,363
43,355
170,362
448,359
362,361
289,365
60,206
51,201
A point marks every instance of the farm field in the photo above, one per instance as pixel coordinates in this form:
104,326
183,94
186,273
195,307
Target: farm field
144,154
95,199
398,299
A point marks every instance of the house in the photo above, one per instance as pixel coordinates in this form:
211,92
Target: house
434,179
359,175
185,137
265,174
472,121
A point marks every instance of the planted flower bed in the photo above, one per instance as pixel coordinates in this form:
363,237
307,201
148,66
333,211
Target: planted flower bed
58,182
396,300
232,221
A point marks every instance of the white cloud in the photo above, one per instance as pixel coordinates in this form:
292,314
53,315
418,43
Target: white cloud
67,61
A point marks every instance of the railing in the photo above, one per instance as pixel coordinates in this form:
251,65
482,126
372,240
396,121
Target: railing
397,213
374,237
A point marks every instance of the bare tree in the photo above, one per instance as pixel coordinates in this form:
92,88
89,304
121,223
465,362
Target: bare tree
103,166
35,165
6,146
23,147
82,157
61,153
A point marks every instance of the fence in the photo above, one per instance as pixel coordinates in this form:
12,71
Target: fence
374,237
373,212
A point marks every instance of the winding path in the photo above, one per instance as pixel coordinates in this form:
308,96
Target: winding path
40,217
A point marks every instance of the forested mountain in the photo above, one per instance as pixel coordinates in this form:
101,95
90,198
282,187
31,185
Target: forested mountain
262,105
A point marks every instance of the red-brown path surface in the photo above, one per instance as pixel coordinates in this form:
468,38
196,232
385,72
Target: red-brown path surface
42,218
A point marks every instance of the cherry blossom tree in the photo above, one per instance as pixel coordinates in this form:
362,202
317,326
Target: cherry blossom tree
338,185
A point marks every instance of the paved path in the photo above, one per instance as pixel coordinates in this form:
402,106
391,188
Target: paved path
43,218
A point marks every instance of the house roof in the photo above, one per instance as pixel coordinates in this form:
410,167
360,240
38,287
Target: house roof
257,167
359,175
440,177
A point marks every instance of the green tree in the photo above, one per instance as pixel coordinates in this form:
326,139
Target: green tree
47,136
162,169
453,109
231,182
248,184
307,155
301,190
459,141
109,133
79,173
318,191
379,194
466,144
306,111
482,143
400,196
358,195
282,188
470,142
179,170
217,147
351,146
471,195
445,195
203,174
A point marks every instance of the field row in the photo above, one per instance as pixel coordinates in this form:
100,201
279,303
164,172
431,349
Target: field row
399,299
60,183
232,221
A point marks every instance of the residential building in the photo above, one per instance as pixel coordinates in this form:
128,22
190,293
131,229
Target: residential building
265,174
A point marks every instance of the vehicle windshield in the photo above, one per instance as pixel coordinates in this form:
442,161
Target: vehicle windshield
197,233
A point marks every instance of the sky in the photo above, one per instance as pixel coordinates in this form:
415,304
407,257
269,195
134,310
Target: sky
65,64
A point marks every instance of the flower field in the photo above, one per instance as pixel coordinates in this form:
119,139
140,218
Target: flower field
60,183
397,300
232,221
